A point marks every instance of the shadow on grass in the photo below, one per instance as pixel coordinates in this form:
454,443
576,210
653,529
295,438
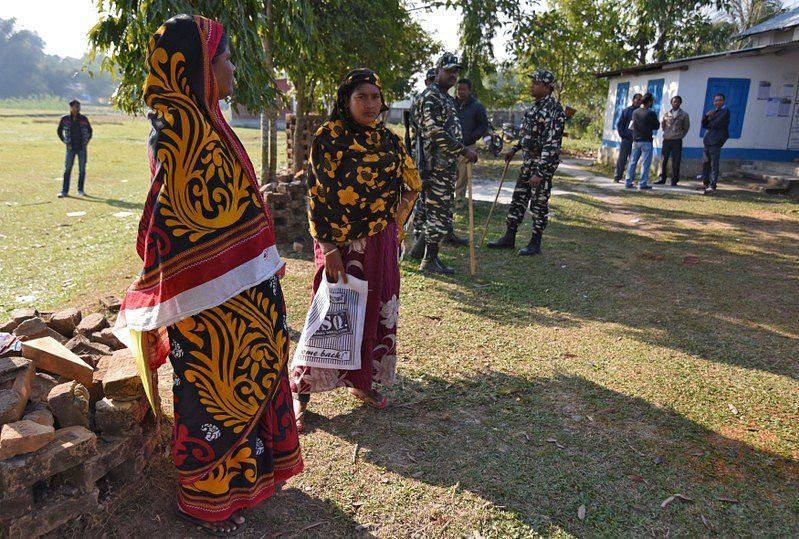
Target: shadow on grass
540,448
149,511
730,307
113,202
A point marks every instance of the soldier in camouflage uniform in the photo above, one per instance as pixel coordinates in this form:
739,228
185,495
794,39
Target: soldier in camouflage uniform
540,138
442,143
417,251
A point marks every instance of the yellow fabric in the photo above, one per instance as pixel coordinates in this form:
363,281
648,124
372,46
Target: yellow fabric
139,348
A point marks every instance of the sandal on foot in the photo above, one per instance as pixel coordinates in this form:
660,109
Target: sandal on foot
209,527
372,399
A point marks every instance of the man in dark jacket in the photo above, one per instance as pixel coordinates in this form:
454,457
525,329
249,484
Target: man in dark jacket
626,134
75,132
645,122
717,124
474,123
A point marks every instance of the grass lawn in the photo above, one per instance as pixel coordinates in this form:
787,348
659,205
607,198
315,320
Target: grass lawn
651,351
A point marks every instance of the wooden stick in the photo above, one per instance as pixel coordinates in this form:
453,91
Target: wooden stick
491,211
472,253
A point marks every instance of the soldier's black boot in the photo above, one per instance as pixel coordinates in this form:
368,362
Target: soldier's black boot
417,250
534,247
431,263
508,241
452,239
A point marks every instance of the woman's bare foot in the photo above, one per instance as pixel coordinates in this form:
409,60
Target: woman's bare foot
373,398
299,414
225,528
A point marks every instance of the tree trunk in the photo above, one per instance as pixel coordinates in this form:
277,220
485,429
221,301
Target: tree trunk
268,133
298,150
272,148
266,153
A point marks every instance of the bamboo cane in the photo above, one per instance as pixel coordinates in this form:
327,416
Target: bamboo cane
472,253
491,211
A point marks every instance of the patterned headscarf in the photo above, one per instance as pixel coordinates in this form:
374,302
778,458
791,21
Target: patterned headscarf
205,234
357,172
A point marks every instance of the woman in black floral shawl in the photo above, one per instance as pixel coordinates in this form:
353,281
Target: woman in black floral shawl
361,187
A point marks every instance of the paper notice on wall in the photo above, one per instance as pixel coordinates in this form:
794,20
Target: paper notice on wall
772,107
784,109
793,134
787,91
764,90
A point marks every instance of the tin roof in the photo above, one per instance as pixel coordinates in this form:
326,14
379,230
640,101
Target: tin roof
680,63
783,21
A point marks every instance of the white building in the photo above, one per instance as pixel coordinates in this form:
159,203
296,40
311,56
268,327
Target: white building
760,83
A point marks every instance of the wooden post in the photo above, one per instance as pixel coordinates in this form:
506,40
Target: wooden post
472,254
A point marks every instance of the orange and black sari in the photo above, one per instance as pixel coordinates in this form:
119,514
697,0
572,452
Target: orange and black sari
208,298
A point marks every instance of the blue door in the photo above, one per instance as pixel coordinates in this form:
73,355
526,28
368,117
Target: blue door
622,91
736,92
655,87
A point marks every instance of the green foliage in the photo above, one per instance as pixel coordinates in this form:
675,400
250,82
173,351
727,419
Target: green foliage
480,22
745,14
659,30
390,42
505,88
123,35
559,40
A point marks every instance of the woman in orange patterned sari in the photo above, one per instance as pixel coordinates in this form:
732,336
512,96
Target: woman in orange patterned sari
208,298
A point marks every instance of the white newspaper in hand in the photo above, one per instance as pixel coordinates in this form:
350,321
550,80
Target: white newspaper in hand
333,331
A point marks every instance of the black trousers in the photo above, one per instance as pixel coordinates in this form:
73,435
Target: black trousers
671,149
710,165
625,149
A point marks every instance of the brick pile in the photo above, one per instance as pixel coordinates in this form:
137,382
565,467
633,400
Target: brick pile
312,123
74,422
286,198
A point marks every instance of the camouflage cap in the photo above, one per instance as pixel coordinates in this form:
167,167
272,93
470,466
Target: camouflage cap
431,74
448,61
543,75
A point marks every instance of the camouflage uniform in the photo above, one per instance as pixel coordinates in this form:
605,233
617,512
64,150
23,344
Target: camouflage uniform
418,156
442,143
540,138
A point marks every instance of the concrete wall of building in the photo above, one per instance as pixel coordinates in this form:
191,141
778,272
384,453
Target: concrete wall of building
762,138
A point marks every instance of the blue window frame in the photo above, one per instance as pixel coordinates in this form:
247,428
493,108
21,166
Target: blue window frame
736,92
655,87
622,91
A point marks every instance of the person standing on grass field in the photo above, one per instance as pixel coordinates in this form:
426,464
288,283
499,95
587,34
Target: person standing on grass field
626,134
75,132
362,184
417,151
717,124
474,122
540,137
675,125
209,298
442,140
645,122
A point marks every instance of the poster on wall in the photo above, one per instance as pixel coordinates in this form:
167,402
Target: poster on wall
763,90
773,107
793,134
784,109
